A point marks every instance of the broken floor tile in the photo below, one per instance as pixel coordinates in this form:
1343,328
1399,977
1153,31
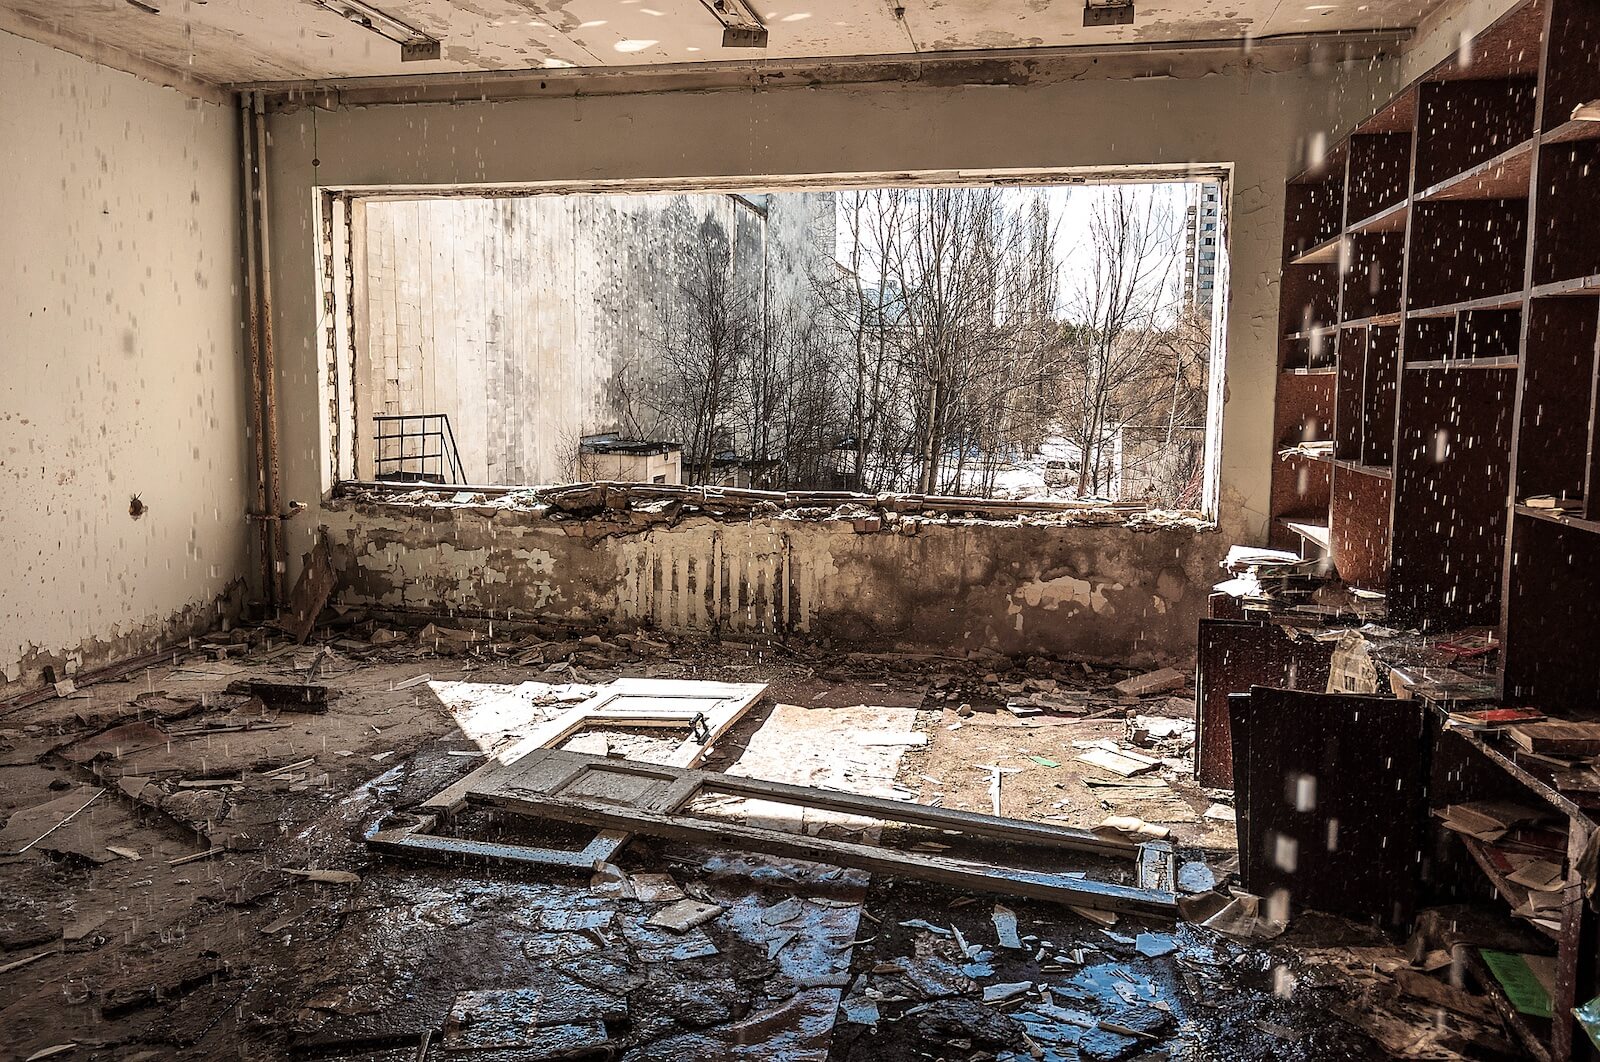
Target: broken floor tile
575,921
1008,990
1155,945
859,1010
696,1003
651,944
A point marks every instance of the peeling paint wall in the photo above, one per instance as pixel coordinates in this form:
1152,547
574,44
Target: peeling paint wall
121,371
992,583
1098,593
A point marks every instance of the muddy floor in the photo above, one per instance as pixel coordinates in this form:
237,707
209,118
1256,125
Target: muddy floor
188,876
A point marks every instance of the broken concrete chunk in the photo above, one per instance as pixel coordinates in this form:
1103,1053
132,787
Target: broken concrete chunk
1005,927
684,915
858,1010
785,911
325,877
1163,681
84,926
1007,990
1196,877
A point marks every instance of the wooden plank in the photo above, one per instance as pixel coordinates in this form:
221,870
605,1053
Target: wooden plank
1077,892
1235,655
1315,826
310,592
415,841
949,819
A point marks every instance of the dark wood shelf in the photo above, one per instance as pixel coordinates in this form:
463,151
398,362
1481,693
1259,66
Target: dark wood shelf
1311,530
1508,362
1560,518
1313,332
1509,891
1567,132
1381,471
1377,320
1324,253
1509,301
1391,218
1478,224
1506,176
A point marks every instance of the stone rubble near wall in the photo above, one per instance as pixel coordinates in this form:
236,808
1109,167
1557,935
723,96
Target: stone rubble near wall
643,505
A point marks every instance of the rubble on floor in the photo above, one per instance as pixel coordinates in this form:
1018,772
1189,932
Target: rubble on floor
624,507
186,875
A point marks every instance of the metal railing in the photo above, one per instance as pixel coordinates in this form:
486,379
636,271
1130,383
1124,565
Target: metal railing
415,448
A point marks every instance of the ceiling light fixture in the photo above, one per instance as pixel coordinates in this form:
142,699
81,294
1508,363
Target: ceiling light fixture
1108,12
740,26
414,44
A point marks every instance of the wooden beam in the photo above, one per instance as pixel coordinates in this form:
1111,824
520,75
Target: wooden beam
1004,881
564,767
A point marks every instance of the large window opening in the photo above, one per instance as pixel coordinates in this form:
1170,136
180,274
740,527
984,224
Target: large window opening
1026,340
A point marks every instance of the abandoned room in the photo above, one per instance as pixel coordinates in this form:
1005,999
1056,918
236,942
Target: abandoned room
804,530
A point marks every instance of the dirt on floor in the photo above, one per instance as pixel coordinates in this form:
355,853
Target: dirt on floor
187,876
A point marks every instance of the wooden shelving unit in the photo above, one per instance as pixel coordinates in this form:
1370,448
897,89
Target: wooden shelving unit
1440,310
1441,332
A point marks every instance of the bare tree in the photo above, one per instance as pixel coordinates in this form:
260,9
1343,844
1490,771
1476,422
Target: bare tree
960,343
865,309
1121,346
704,336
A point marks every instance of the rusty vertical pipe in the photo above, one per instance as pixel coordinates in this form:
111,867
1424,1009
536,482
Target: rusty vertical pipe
260,514
269,375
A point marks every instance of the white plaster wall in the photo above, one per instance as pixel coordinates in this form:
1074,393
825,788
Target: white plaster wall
120,361
1259,123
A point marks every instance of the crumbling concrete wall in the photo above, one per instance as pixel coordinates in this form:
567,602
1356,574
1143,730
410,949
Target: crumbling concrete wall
122,364
1109,593
517,317
1262,124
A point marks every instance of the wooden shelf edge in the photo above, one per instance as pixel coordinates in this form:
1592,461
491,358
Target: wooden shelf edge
1324,253
1306,371
1510,892
1589,285
1509,301
1380,471
1513,156
1377,320
1312,333
1510,361
1392,218
1570,131
1554,516
1531,1038
1312,531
